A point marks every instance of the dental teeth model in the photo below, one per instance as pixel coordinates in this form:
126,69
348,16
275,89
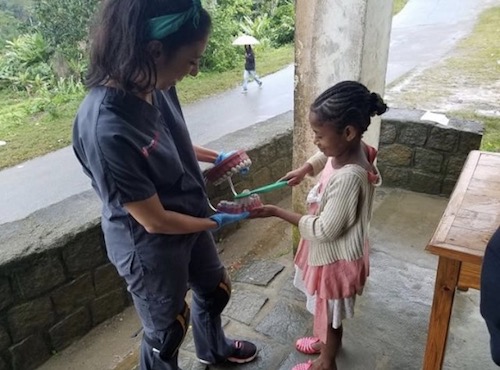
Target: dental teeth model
240,205
228,167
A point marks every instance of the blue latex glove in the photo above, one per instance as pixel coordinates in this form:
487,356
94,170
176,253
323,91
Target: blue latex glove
224,219
223,155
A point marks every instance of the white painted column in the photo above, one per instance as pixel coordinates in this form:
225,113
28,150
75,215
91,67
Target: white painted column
336,40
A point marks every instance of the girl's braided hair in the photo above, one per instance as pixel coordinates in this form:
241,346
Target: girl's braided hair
348,103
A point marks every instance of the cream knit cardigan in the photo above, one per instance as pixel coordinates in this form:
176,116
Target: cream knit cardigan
340,229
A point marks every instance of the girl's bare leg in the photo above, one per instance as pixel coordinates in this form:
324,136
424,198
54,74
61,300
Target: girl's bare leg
329,350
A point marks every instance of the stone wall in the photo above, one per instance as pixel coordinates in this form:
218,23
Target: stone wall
55,292
56,282
424,156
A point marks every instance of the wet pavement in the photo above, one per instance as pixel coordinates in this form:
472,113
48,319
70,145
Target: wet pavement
389,329
422,33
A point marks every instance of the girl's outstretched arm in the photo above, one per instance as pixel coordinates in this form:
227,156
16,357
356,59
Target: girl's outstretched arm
274,211
311,167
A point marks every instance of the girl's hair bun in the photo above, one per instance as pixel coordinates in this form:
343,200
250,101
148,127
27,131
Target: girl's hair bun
377,105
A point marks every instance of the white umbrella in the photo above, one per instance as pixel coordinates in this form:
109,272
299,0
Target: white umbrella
246,40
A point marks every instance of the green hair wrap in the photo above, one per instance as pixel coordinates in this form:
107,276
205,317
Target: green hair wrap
161,27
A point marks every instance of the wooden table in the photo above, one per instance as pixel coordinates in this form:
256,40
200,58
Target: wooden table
469,221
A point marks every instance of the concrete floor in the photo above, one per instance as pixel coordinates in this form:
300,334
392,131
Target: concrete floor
390,327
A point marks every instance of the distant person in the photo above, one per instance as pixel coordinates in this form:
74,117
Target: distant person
132,141
249,68
332,262
490,293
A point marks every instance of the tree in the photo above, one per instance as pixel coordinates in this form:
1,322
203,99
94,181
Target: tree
9,27
65,23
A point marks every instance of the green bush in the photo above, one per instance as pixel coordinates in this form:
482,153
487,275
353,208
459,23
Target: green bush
220,54
65,23
25,63
237,9
9,27
50,97
257,27
282,25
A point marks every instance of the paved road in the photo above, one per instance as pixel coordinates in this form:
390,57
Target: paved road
422,33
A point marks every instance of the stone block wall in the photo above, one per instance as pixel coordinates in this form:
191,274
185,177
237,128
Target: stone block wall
424,156
56,282
50,298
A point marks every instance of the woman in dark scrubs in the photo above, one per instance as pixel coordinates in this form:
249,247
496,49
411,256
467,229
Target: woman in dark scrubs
131,140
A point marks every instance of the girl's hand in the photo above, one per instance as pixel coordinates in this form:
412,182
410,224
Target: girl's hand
263,212
296,176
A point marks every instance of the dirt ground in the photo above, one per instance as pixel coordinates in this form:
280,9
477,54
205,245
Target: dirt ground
464,84
422,89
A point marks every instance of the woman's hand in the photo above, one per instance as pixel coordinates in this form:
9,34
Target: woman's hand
222,156
264,211
224,219
296,176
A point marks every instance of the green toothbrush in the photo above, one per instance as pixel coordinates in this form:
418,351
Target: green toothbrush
263,189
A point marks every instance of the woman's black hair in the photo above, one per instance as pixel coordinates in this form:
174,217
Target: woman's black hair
348,103
120,38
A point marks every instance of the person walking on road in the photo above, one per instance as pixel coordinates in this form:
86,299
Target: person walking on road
131,139
250,68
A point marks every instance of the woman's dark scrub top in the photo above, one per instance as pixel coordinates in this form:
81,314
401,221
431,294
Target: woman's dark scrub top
132,150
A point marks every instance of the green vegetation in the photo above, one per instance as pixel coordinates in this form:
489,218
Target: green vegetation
397,5
491,138
9,27
43,63
467,84
479,60
479,54
33,126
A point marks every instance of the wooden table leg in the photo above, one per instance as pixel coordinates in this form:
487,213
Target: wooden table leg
444,293
460,286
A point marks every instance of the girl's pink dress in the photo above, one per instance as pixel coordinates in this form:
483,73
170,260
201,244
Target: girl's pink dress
331,289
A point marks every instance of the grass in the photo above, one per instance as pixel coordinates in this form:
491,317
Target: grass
397,5
29,135
491,138
466,83
33,126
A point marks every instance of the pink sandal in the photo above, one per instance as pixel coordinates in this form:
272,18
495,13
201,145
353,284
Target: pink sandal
305,345
304,366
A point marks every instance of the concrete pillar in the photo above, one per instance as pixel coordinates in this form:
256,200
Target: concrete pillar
336,40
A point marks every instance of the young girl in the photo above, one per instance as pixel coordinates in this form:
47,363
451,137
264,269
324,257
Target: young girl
332,260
